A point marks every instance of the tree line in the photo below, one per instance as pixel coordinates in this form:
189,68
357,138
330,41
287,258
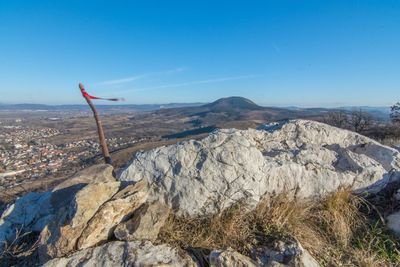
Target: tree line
363,122
395,113
356,120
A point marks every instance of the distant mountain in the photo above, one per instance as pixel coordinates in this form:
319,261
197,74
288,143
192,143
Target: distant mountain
225,111
232,103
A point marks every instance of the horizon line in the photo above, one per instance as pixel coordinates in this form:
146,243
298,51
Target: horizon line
204,103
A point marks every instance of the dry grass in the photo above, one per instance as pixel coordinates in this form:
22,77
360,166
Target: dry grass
334,230
232,228
22,251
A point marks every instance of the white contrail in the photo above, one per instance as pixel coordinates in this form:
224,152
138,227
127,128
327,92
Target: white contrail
119,81
190,83
133,78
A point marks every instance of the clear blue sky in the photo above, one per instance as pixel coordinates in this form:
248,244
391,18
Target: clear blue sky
305,53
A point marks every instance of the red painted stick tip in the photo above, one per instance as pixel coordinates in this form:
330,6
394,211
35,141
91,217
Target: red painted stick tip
83,91
81,86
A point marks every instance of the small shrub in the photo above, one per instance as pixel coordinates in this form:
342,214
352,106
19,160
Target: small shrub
22,251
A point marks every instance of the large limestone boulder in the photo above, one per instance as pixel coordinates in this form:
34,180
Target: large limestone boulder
126,254
301,158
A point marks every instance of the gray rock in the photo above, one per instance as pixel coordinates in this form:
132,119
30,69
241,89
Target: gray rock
126,254
290,254
393,222
145,224
230,258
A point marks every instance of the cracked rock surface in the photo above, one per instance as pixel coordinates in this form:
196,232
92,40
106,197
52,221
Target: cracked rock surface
300,158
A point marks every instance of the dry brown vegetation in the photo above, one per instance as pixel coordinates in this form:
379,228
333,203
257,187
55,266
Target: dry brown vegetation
22,251
334,230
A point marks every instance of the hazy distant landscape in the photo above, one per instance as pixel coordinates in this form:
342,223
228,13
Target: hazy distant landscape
381,112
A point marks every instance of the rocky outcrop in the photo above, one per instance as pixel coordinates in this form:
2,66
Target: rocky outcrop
81,218
300,158
126,254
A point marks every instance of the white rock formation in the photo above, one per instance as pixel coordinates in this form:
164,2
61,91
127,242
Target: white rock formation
302,158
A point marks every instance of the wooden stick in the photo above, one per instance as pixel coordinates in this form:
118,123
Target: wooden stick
100,131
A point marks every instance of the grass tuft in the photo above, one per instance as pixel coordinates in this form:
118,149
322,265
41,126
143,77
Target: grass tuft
22,251
335,230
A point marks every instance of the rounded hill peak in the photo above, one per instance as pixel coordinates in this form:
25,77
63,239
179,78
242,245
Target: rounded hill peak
234,102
